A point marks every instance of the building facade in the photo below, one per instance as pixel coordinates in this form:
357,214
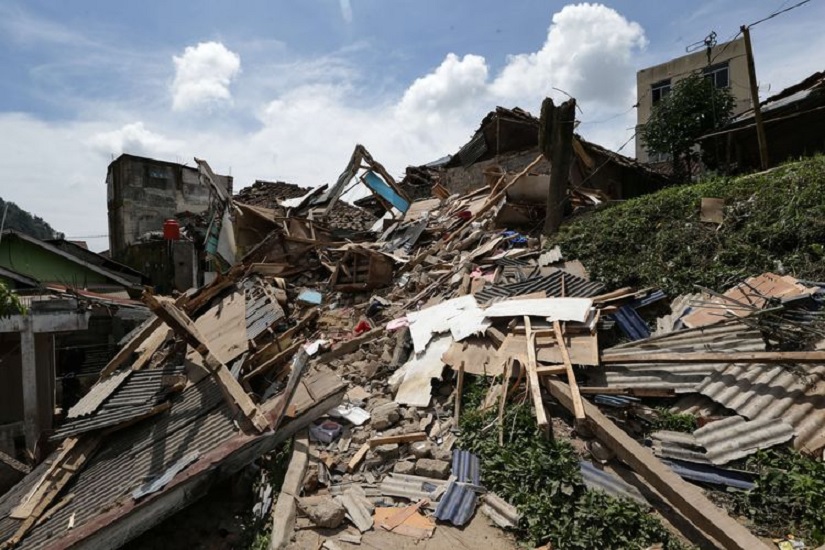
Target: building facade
725,64
142,193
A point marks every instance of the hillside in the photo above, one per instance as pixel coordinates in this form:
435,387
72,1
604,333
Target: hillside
20,220
773,221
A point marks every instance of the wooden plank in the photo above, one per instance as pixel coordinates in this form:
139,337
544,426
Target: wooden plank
403,515
403,438
636,392
533,379
683,496
718,357
358,457
276,361
546,370
130,347
458,390
350,345
224,327
284,511
505,382
578,407
186,329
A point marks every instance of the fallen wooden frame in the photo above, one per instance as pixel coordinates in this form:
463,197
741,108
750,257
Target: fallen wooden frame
533,379
578,407
186,329
683,496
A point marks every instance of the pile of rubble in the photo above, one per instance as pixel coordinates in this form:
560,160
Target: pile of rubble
361,349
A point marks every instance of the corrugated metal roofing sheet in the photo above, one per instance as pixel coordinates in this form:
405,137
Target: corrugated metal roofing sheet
466,467
734,437
680,306
631,323
574,287
680,377
138,395
596,479
774,391
98,394
410,487
458,504
678,445
706,473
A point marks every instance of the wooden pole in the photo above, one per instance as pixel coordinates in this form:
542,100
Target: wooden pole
556,144
757,109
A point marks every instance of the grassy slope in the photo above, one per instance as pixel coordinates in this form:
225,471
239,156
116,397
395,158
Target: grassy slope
774,221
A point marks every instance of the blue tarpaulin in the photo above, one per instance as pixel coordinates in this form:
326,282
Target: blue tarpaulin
385,191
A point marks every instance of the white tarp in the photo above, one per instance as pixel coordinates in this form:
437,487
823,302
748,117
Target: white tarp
414,378
460,316
554,309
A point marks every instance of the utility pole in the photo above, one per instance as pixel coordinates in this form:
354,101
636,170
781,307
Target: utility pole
757,109
556,144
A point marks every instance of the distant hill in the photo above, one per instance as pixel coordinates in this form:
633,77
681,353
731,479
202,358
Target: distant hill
22,221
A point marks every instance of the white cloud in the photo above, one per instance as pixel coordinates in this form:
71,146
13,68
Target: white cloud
587,54
136,139
203,75
346,10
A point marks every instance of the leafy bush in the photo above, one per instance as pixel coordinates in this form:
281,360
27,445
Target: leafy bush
10,303
774,221
675,422
542,479
789,497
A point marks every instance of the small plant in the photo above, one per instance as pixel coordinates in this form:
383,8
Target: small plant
789,497
542,479
10,303
674,422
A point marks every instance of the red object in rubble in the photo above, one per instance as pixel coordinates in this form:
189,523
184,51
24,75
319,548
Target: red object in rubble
171,230
362,327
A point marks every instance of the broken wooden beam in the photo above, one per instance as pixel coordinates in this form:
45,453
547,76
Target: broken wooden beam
683,496
533,379
578,407
717,357
350,345
183,326
356,459
284,511
130,347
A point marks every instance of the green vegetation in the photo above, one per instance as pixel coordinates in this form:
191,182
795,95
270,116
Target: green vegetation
773,221
10,303
674,422
694,107
542,478
20,220
789,497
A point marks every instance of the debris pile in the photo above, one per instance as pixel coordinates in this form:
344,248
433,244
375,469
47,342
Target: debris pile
363,350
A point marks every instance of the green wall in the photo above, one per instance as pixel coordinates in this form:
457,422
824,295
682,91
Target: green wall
45,266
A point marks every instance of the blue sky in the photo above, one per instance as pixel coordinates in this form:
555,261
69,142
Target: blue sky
285,89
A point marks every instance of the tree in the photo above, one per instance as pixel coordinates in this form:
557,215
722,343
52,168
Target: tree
693,108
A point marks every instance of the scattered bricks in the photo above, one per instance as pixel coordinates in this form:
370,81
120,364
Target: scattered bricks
421,449
427,467
322,511
404,467
385,416
387,452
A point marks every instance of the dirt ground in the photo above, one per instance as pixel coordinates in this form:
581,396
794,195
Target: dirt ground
479,533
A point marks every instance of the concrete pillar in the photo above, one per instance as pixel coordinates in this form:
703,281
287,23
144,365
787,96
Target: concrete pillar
31,417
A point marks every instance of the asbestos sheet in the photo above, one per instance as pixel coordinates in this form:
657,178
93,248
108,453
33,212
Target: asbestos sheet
450,316
553,309
734,437
415,376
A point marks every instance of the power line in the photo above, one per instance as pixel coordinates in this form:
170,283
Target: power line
779,12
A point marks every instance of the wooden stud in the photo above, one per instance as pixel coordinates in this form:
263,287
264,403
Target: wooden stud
533,378
578,407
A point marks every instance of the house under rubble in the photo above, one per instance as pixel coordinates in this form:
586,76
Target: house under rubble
507,142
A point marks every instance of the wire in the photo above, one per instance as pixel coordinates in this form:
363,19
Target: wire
779,12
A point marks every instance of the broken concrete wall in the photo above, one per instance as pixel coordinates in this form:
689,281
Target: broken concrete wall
144,192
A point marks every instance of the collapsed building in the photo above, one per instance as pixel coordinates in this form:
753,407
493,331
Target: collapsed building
357,343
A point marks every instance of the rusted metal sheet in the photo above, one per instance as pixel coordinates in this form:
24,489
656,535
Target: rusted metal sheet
98,394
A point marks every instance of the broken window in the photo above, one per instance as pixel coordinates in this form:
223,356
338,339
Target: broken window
660,90
718,75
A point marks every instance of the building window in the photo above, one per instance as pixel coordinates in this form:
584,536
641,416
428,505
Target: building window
718,75
660,90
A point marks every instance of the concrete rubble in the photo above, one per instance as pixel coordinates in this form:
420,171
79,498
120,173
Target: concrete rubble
365,344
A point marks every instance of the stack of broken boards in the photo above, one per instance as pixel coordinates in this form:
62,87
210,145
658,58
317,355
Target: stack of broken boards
167,418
